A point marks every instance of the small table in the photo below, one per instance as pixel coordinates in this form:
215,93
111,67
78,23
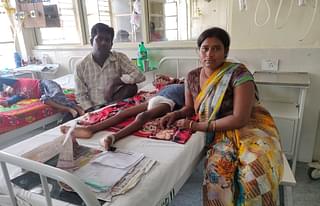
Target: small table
297,80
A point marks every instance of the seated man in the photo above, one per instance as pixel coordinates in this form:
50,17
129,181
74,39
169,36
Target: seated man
105,76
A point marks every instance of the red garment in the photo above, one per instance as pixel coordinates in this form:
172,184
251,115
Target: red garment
150,129
30,88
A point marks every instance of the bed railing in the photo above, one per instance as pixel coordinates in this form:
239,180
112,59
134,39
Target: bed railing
188,63
178,60
45,171
72,63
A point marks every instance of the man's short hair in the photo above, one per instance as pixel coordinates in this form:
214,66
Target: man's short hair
101,27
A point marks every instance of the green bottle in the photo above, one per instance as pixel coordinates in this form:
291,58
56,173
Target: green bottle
142,56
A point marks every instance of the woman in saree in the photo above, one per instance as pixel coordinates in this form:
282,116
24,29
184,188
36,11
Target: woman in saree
243,164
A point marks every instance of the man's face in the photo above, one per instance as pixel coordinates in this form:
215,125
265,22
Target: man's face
102,42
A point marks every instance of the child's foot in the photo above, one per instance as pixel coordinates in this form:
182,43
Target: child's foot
78,132
107,142
64,129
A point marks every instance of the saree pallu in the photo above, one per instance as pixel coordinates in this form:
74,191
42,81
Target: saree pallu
244,166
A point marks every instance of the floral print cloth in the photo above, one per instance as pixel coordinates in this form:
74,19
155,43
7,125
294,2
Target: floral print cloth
243,166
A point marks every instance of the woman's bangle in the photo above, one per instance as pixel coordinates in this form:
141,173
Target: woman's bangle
190,124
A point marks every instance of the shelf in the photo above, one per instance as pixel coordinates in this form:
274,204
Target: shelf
281,109
285,79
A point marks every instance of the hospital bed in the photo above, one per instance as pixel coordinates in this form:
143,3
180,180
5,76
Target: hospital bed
10,134
24,117
175,163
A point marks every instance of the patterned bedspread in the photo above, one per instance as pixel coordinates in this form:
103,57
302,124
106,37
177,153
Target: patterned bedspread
26,112
150,129
23,113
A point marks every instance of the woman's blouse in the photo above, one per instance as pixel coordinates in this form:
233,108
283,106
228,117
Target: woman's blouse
240,75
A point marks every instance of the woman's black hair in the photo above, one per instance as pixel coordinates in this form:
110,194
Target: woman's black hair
216,32
100,27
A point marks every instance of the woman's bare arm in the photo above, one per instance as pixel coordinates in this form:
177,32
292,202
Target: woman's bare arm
243,102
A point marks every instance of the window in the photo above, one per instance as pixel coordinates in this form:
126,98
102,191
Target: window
124,16
6,42
167,20
68,32
184,19
98,11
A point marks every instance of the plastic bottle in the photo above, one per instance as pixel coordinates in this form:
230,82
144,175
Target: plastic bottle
17,59
142,57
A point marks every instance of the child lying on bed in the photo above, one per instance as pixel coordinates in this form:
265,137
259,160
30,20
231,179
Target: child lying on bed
168,99
48,91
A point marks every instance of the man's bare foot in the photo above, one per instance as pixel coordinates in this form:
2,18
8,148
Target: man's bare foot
78,132
80,110
73,112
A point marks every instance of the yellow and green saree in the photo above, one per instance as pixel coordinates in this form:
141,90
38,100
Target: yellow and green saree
243,166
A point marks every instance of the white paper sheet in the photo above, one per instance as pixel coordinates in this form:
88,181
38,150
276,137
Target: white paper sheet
104,173
118,159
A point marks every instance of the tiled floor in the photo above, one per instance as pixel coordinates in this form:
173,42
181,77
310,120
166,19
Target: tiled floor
305,193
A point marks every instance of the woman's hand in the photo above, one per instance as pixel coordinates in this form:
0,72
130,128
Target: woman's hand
168,120
184,124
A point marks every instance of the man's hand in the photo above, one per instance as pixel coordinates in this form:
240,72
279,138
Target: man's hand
111,88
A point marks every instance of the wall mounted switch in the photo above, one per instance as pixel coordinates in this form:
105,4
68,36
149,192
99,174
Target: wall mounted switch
270,64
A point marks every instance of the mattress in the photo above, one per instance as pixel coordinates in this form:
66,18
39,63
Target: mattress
175,162
66,81
23,113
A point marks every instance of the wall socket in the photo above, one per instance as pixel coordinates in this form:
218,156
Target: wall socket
270,64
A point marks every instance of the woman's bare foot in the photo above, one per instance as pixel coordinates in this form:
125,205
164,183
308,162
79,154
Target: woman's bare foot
79,132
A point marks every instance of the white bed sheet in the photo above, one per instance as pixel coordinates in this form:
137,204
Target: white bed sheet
175,164
66,81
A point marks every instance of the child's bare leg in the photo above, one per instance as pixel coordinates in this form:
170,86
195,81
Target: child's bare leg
141,119
62,108
79,132
119,117
84,132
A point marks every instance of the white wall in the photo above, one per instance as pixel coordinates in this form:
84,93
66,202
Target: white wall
250,44
245,33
